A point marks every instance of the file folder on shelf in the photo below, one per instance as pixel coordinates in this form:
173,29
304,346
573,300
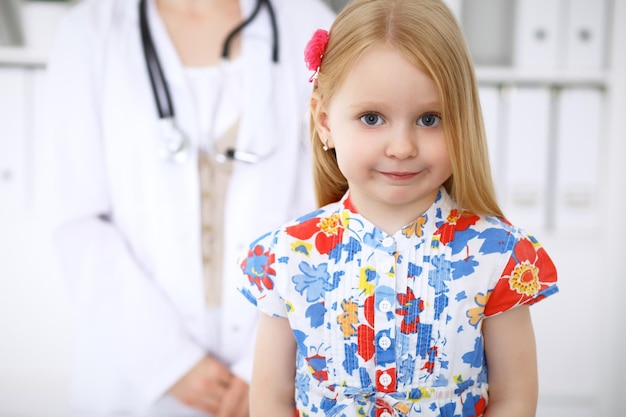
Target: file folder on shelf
537,34
577,159
585,34
491,108
488,27
526,157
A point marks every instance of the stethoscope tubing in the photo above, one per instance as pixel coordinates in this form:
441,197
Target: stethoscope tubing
160,88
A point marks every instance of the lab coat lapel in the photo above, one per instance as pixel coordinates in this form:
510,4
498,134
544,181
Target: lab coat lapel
258,82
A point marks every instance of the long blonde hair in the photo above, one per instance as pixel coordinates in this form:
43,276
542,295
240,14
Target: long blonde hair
426,33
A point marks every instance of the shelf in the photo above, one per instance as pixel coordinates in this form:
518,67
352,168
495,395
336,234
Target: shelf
23,57
38,21
507,76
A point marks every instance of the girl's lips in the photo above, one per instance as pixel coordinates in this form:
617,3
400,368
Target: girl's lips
400,175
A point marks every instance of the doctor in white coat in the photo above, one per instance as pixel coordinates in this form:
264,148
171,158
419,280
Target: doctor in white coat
154,335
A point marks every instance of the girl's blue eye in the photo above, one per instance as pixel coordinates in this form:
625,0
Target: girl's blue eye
429,120
371,119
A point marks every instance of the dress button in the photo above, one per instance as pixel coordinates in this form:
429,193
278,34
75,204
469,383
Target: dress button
385,414
385,379
384,342
384,306
387,241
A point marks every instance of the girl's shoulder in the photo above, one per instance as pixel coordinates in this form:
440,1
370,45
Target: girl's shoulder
490,233
300,229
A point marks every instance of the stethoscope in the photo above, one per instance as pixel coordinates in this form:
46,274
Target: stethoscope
174,144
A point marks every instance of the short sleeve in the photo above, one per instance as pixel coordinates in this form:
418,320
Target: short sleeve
528,277
258,283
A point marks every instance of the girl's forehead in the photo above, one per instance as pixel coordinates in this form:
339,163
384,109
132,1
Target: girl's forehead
383,74
382,61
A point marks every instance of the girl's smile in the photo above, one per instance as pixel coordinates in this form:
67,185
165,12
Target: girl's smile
399,176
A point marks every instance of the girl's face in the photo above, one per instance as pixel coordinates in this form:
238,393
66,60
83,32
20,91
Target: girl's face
385,125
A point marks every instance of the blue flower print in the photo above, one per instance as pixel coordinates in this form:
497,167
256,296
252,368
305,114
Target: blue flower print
496,241
314,280
439,274
316,313
351,248
464,267
351,362
475,357
302,388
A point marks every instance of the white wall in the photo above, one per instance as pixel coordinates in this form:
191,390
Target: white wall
34,323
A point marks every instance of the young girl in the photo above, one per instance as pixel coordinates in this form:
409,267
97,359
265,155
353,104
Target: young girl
392,299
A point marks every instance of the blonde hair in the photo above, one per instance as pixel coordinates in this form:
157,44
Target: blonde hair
426,33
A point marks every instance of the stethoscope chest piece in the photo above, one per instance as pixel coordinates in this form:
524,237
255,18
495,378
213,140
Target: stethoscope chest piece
173,145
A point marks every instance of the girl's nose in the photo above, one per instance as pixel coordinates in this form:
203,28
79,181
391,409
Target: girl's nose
402,144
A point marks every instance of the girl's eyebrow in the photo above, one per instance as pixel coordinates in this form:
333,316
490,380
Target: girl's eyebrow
374,102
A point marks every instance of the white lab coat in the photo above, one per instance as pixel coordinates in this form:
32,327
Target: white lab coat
127,223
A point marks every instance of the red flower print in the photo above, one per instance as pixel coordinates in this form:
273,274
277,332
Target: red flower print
455,222
317,366
410,308
528,273
258,267
365,331
328,232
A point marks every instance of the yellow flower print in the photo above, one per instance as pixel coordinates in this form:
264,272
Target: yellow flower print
425,393
525,279
349,318
476,314
330,224
300,246
365,283
416,228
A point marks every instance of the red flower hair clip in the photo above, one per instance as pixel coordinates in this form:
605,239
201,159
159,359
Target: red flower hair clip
314,52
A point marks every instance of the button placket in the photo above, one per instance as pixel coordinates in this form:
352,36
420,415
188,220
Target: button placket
384,321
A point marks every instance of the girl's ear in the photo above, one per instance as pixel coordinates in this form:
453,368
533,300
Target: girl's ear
320,117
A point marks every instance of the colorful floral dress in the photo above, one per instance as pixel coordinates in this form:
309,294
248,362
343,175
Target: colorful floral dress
391,325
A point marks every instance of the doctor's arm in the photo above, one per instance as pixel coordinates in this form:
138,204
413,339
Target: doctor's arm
272,391
123,320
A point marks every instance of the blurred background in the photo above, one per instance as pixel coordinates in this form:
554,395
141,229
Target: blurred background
552,76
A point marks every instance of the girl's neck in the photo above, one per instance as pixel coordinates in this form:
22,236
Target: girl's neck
198,28
194,6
